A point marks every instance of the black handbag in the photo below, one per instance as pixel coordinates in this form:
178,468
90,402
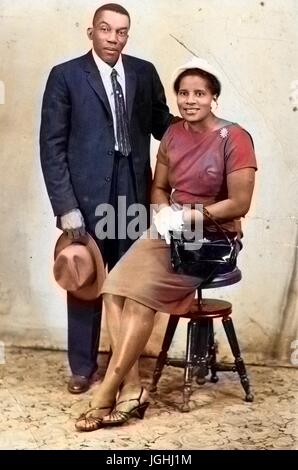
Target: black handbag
217,251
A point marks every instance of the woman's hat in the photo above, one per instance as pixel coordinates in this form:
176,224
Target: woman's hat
196,63
79,267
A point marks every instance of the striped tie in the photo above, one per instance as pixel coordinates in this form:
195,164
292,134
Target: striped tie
121,116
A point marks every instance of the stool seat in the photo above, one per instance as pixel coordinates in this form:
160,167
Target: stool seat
208,308
200,357
225,279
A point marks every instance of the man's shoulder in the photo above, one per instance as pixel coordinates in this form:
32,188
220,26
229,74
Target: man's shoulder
137,63
73,63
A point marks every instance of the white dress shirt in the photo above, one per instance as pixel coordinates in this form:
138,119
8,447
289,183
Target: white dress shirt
105,71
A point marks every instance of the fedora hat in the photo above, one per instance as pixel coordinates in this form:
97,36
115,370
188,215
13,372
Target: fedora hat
79,267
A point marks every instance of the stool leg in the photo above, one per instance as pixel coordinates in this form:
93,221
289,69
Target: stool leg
192,328
162,357
212,354
239,363
202,350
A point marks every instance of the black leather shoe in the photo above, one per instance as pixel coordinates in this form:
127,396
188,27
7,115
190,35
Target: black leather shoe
78,384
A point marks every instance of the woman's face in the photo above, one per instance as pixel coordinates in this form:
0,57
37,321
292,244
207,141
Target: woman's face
194,98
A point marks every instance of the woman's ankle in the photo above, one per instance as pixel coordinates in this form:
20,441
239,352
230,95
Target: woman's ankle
103,398
130,387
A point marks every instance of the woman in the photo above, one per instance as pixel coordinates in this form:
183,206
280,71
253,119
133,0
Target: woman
201,159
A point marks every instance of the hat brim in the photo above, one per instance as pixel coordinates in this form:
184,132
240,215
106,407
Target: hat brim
92,291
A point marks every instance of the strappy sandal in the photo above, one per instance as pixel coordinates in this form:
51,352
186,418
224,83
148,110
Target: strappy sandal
90,422
118,417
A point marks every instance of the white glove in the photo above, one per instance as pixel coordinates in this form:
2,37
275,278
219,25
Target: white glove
168,219
73,224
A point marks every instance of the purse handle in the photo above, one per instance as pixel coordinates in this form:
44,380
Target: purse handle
207,214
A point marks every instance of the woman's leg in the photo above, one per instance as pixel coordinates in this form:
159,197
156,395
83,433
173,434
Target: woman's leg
136,324
114,307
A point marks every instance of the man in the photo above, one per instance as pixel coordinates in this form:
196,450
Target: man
95,146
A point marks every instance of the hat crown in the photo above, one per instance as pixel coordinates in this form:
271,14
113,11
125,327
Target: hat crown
74,267
79,266
196,63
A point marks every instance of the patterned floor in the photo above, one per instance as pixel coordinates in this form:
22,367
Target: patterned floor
38,412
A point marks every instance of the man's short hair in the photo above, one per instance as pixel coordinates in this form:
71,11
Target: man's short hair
110,7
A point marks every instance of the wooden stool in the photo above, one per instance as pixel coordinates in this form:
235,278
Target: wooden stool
200,348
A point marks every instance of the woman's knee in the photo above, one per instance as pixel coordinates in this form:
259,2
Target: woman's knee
135,307
112,299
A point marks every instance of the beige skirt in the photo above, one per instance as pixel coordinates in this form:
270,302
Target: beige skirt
145,274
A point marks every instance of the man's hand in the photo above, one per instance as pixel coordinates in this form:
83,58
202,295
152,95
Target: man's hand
168,219
73,224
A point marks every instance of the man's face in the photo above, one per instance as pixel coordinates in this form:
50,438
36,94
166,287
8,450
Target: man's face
109,35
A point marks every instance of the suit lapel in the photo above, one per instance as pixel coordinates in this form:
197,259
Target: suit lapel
130,85
95,81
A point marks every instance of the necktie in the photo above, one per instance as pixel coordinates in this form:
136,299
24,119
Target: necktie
121,116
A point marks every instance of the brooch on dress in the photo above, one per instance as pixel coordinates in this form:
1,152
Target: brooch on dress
224,132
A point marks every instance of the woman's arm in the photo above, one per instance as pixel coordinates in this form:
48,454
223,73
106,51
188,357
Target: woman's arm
161,190
240,184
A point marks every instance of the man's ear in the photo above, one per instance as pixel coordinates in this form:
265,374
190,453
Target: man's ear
90,33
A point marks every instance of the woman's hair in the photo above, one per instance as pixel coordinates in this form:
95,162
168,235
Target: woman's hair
213,83
110,7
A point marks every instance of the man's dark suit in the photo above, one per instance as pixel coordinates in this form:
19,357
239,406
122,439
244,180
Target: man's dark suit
77,155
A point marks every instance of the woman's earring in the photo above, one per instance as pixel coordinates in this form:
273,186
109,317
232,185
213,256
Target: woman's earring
214,105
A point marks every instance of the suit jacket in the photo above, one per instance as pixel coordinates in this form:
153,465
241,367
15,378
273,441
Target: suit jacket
77,136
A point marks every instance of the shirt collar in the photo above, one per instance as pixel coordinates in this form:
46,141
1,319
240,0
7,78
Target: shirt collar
105,69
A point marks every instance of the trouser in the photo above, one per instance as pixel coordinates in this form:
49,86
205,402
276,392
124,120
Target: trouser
84,317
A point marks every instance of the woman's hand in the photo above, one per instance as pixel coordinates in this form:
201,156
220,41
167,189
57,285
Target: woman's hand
168,219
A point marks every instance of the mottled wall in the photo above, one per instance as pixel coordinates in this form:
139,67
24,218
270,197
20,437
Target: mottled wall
255,45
